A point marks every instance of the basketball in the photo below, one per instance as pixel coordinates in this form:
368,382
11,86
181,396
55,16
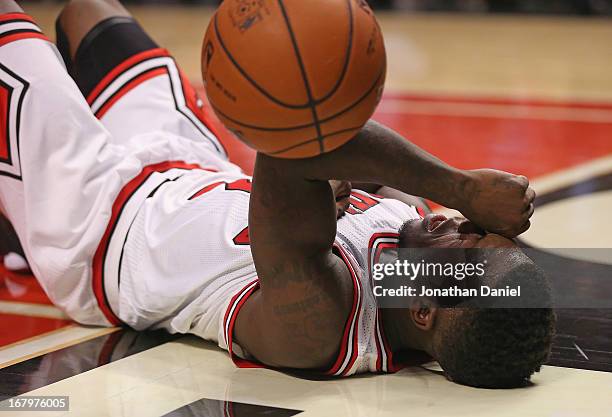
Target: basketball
294,78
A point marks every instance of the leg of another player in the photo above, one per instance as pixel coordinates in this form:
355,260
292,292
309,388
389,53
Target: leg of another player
80,16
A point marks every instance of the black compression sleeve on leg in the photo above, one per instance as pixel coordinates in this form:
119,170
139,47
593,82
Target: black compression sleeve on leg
61,41
107,45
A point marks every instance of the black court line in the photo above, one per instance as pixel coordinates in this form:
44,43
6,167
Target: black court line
55,366
584,336
215,408
589,186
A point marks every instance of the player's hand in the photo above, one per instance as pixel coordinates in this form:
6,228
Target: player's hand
499,202
342,193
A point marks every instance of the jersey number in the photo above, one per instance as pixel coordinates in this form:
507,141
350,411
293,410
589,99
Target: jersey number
360,203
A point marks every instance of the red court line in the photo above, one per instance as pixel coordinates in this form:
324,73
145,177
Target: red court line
529,147
22,288
16,327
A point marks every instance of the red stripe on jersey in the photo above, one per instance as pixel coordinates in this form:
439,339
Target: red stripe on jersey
379,348
22,35
372,243
375,247
124,196
391,365
206,189
128,87
229,321
124,66
375,236
16,16
351,324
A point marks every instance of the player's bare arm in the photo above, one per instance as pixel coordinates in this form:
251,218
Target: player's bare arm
304,298
305,289
497,201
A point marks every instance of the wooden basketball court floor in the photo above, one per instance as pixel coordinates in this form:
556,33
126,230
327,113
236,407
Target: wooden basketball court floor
531,95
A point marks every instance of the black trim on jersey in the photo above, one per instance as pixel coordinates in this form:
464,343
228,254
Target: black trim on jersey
104,47
120,89
248,181
20,100
123,250
156,189
176,106
63,46
215,141
17,21
127,233
111,234
16,31
245,230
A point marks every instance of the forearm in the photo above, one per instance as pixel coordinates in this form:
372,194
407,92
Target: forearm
379,155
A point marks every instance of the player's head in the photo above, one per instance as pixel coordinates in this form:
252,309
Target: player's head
492,348
477,343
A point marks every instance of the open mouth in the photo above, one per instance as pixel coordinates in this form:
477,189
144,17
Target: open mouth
435,221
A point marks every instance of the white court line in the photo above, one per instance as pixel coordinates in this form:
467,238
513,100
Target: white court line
581,351
560,179
49,342
32,310
496,110
570,176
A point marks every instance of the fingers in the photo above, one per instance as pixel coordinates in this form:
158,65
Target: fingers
524,228
341,206
530,196
530,209
523,181
341,189
512,233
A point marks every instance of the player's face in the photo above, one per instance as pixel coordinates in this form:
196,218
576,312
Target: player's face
438,231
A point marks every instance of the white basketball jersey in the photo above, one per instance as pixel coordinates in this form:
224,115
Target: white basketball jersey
147,225
187,265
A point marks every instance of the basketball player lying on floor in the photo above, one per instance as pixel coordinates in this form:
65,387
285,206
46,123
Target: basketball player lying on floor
129,213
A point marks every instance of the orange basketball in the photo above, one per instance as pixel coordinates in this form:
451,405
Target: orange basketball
294,78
